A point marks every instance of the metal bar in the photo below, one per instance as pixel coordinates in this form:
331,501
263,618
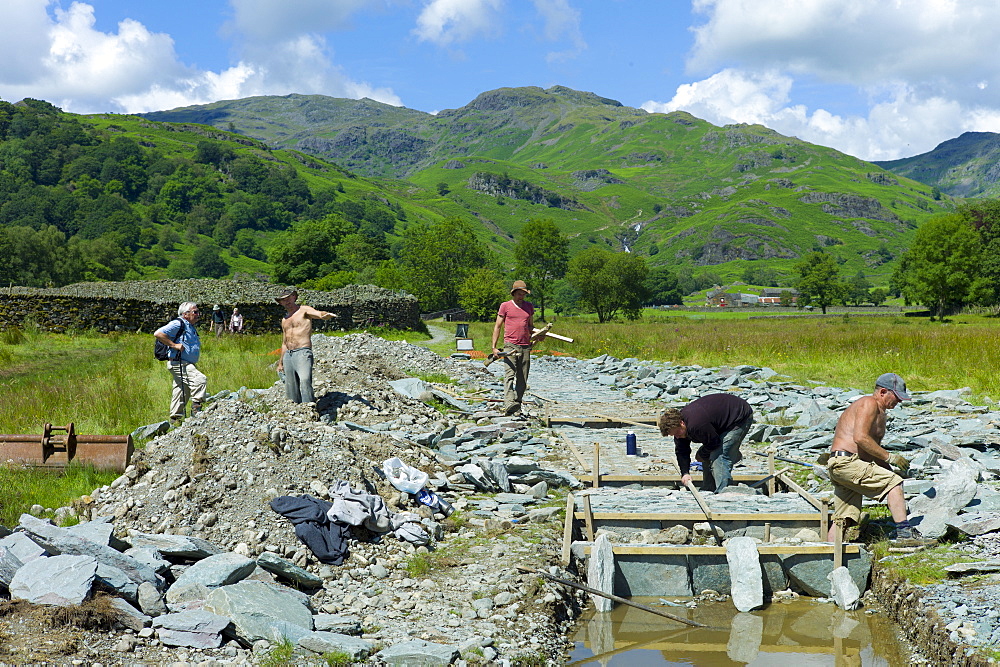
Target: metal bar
613,597
708,513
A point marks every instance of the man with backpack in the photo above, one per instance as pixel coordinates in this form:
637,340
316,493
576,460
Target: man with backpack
184,347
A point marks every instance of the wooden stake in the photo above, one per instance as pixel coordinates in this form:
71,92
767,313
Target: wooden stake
770,470
838,545
588,518
597,465
568,531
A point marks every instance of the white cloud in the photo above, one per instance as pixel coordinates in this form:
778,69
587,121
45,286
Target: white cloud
902,125
918,66
933,43
446,22
62,58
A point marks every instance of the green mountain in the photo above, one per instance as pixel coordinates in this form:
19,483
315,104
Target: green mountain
671,186
967,166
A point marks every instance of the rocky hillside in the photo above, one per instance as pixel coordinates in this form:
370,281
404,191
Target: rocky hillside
966,166
671,186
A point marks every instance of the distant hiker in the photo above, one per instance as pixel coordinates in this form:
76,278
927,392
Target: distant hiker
181,336
296,360
516,319
218,320
236,321
718,422
859,465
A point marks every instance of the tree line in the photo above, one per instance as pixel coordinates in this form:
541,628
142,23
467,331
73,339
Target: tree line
953,263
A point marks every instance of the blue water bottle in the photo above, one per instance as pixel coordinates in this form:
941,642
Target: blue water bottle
630,449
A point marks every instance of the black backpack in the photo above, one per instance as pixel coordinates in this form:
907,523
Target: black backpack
160,350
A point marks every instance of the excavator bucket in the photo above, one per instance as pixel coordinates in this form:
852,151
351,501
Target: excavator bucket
57,446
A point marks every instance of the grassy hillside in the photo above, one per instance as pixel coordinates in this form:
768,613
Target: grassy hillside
671,186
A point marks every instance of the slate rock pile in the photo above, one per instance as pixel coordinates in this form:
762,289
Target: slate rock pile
201,566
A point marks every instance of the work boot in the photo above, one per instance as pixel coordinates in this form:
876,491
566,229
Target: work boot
176,421
195,408
907,536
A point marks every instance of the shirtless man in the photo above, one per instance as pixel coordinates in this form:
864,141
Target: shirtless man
859,465
296,358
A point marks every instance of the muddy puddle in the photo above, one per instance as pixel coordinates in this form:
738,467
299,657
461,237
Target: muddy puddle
797,633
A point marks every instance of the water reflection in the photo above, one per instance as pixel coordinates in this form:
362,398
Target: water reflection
803,633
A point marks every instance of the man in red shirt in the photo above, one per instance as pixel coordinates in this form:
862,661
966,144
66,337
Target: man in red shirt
516,319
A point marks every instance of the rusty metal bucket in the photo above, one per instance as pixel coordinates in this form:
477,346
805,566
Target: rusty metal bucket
57,446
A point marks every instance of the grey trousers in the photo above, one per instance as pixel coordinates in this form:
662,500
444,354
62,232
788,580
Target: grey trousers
298,375
189,382
515,377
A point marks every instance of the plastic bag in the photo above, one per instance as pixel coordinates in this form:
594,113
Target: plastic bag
405,478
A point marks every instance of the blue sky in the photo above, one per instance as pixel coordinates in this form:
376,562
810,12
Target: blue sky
878,79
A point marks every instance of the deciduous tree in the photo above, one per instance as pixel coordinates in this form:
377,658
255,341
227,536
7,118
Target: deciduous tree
609,282
481,294
941,270
819,282
542,255
437,257
661,286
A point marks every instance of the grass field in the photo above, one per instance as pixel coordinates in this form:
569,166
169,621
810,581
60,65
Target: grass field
839,350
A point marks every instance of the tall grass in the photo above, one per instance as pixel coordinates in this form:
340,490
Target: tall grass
20,488
846,351
110,384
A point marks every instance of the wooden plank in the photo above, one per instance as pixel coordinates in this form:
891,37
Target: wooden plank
698,516
576,453
622,420
784,477
568,531
588,517
666,477
686,550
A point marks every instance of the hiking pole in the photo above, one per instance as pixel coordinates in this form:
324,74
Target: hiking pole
611,596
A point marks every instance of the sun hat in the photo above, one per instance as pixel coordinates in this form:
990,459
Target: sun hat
893,383
519,284
286,292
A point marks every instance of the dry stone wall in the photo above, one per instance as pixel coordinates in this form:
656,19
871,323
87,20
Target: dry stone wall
146,305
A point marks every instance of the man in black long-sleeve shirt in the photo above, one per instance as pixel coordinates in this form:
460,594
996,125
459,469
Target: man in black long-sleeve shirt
718,422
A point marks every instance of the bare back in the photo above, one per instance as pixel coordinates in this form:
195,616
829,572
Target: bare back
296,327
860,430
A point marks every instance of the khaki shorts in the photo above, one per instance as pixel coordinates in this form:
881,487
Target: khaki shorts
853,478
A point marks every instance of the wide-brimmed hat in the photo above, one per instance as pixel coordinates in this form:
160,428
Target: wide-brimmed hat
285,293
519,284
893,383
216,307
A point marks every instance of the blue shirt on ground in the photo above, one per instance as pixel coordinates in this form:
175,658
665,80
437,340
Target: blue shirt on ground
189,339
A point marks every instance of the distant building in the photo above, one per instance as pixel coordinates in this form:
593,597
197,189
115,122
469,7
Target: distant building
772,296
724,299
